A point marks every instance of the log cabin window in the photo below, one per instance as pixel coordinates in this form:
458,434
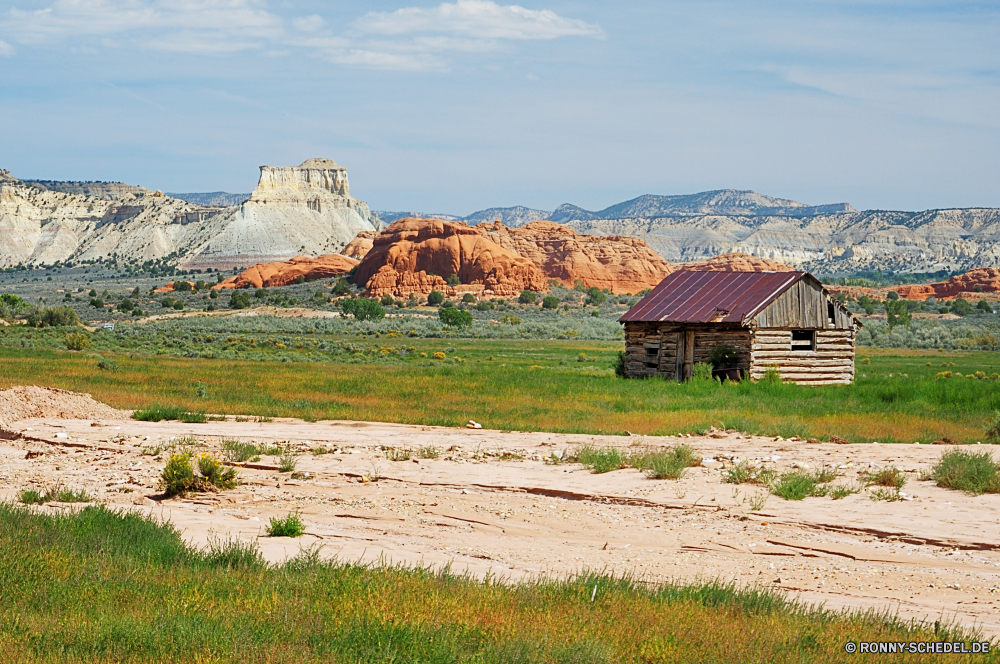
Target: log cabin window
803,340
652,352
831,313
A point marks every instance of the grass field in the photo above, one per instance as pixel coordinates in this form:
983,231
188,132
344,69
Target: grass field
103,586
542,385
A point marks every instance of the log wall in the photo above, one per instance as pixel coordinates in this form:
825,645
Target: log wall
831,363
671,349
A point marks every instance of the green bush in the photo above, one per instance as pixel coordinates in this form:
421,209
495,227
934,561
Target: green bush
993,430
160,413
972,472
214,294
595,296
453,280
216,473
550,302
897,313
290,526
363,308
182,286
670,465
602,460
984,306
961,307
77,341
799,484
341,287
723,356
52,316
239,300
179,476
527,297
387,300
701,371
455,317
107,364
435,298
619,365
468,298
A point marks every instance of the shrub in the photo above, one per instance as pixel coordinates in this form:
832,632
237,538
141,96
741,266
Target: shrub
701,371
125,305
428,452
178,305
77,341
32,497
619,365
453,280
260,293
670,465
107,364
363,308
602,460
890,477
435,298
178,475
527,297
723,356
984,306
290,526
993,428
961,307
595,296
239,300
550,302
341,287
455,317
182,286
287,462
510,319
215,472
52,316
214,294
972,472
799,484
386,300
468,298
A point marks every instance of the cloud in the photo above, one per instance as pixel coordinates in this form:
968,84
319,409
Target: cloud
410,39
480,19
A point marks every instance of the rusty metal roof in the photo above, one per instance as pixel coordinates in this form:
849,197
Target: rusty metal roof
686,296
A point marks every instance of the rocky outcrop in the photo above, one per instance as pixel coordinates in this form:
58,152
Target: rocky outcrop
736,262
294,210
111,191
284,273
359,247
416,255
986,279
616,263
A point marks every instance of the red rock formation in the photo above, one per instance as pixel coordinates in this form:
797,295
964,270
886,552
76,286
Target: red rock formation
616,263
736,262
360,245
288,272
406,257
987,278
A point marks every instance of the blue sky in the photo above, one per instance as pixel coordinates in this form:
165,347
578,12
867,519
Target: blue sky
457,106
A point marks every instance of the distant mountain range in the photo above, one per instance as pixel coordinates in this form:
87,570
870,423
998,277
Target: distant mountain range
212,198
727,202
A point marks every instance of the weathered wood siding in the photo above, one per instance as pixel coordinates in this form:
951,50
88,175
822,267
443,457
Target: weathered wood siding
804,306
831,363
671,349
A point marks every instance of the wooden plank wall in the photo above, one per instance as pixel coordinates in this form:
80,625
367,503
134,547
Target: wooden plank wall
804,306
831,363
665,338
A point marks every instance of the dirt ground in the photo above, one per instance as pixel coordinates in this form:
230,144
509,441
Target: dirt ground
489,503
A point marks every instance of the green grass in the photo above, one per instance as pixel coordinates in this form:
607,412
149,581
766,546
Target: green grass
973,472
158,413
744,473
669,465
289,526
59,494
889,477
105,586
287,462
800,484
602,460
895,399
240,451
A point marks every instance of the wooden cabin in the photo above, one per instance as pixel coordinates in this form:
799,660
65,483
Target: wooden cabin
781,320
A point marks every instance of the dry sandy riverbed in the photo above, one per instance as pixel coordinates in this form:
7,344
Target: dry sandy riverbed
934,555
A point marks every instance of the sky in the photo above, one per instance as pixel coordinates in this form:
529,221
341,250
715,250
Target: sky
458,106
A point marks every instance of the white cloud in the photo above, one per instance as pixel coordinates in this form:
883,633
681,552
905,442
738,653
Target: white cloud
410,39
481,19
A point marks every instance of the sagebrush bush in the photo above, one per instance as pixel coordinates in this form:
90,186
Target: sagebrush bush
972,472
290,526
77,341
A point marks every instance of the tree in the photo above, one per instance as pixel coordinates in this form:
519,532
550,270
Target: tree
260,293
239,300
435,298
363,308
453,280
182,285
897,313
468,298
214,294
341,287
892,295
984,306
595,296
866,304
455,317
527,297
550,302
386,300
961,307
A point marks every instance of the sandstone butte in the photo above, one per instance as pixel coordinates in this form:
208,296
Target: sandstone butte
962,285
736,262
359,247
283,273
616,263
416,255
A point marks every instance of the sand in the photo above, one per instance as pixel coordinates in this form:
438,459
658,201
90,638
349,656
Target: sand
932,555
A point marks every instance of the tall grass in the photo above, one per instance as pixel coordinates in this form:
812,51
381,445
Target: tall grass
506,394
973,472
105,586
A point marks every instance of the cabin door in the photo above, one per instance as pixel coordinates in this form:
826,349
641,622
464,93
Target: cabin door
685,355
